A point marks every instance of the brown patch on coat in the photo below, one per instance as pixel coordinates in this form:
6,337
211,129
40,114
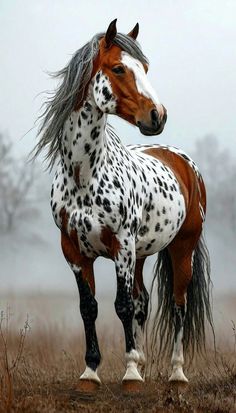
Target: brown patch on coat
71,251
184,243
138,277
112,244
77,175
64,219
176,164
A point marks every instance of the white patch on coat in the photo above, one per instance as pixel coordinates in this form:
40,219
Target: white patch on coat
143,85
101,83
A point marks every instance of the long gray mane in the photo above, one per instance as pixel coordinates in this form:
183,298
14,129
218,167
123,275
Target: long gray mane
71,92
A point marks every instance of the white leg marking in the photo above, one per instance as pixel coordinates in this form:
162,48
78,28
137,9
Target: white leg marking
140,305
90,374
132,360
139,341
177,360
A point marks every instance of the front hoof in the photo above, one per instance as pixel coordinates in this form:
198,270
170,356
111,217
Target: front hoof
88,386
89,381
132,386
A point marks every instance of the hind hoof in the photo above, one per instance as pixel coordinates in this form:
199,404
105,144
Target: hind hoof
132,386
178,376
87,386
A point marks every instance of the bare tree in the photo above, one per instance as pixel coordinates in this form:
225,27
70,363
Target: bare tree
17,178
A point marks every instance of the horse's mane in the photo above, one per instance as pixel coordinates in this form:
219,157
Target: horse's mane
70,92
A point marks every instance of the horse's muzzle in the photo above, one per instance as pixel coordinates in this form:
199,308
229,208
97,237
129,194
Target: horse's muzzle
156,124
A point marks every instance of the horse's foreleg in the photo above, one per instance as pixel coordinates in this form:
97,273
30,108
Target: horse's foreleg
141,298
89,311
83,270
124,305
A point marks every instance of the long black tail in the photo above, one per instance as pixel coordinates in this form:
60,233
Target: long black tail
198,302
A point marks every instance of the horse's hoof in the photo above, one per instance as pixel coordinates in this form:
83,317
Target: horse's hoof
132,386
178,376
87,386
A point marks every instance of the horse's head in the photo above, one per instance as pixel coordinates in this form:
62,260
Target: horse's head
121,85
114,68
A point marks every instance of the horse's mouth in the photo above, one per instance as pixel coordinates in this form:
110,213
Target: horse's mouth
147,131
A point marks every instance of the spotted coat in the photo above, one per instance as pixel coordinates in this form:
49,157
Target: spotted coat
100,184
124,202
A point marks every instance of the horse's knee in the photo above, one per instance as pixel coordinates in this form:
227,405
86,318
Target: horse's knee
88,303
124,306
88,308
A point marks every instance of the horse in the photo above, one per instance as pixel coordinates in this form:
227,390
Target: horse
126,203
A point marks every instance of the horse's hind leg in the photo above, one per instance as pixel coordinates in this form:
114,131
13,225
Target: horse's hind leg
83,270
141,298
182,274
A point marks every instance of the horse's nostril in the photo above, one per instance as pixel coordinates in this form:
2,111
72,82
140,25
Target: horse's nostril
154,117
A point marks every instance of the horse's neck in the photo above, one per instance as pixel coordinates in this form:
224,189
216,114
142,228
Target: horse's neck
84,142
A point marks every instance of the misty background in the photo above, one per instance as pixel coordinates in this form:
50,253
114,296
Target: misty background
191,49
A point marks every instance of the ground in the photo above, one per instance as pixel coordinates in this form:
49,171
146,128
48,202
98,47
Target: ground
41,364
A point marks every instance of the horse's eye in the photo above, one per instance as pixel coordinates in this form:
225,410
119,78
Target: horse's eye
118,70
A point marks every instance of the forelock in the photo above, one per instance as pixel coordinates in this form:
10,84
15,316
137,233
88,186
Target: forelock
131,46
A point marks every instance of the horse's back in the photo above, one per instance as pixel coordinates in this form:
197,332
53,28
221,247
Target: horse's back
183,167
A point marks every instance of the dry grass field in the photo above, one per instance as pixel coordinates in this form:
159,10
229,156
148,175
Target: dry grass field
40,366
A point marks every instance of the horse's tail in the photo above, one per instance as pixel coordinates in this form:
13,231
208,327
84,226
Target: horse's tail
198,302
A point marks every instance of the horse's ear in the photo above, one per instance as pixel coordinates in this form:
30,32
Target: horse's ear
134,32
111,33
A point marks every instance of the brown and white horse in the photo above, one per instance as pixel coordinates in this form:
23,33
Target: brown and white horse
126,202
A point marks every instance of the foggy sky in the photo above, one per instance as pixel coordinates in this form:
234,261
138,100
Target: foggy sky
190,45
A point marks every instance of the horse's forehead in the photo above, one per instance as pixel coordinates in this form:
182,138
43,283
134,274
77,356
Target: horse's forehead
108,56
114,55
131,62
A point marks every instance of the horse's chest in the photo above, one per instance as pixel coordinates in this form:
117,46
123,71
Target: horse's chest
87,212
88,225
